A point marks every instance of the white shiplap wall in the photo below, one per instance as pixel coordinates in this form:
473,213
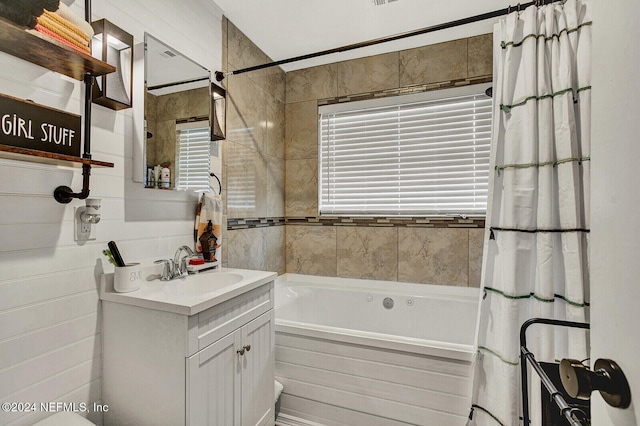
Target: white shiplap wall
50,331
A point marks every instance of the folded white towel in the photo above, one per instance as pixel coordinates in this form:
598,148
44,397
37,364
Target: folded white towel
67,14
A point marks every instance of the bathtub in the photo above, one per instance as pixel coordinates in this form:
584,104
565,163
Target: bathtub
363,352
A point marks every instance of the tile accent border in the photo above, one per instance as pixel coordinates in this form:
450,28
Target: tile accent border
408,222
261,222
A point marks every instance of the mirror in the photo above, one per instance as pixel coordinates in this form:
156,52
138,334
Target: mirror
176,136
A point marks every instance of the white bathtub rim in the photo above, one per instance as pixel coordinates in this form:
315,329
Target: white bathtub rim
378,286
457,351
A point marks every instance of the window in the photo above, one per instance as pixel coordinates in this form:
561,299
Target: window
192,156
422,154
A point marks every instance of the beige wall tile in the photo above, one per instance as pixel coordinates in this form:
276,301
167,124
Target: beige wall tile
434,63
246,182
273,81
311,250
480,55
476,244
367,252
433,256
312,83
301,188
275,238
242,52
275,128
150,149
225,241
246,112
301,135
198,104
225,27
172,106
150,106
247,249
275,186
165,141
369,74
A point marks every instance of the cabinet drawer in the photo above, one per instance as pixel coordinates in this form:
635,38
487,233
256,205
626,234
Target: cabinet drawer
220,320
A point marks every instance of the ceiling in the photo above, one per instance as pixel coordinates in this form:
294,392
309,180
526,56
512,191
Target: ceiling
288,28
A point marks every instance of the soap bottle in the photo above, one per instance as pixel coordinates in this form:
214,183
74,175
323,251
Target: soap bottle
207,241
166,177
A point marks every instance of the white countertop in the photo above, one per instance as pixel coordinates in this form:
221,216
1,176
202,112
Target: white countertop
189,295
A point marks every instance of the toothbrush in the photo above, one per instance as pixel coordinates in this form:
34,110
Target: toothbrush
107,253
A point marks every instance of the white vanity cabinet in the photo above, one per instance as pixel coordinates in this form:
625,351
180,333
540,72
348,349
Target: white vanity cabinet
229,381
213,368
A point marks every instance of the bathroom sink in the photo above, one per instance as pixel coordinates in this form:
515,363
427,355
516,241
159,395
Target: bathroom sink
188,295
197,285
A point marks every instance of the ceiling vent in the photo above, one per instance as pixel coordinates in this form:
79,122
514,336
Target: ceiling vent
168,54
383,2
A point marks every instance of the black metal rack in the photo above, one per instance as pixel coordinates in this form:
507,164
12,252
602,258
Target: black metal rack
574,415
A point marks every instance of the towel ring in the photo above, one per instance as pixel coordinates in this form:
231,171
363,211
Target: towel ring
219,183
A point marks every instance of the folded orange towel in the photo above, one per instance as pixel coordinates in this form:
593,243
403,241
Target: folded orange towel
67,25
52,26
39,28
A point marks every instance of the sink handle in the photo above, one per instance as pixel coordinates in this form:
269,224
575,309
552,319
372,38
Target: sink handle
167,272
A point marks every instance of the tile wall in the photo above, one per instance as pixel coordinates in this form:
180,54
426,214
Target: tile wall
253,156
270,168
431,252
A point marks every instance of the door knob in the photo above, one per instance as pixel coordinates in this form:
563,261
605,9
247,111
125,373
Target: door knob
606,377
240,351
247,347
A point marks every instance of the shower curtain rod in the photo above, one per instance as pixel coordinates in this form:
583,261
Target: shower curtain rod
451,24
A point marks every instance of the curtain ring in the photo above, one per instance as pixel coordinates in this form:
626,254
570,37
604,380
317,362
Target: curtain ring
518,10
509,10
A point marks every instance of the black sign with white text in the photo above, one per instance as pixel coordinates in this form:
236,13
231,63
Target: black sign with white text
26,124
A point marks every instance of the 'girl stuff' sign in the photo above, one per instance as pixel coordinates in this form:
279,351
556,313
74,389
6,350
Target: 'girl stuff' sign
25,124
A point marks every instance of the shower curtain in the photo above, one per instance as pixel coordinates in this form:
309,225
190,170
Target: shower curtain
536,244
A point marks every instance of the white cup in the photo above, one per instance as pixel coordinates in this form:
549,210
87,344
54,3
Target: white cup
127,278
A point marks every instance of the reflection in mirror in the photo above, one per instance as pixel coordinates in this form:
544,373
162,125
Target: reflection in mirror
177,112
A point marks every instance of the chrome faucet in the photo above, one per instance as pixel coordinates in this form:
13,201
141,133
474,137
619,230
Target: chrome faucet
176,268
180,264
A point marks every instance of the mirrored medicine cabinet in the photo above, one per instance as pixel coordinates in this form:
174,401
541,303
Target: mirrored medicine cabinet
176,115
171,130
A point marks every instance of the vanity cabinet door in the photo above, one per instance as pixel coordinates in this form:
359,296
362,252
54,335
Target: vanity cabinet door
214,384
231,381
258,398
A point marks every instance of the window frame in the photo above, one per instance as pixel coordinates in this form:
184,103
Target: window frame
402,99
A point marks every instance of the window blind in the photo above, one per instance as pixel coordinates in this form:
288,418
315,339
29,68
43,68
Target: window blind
192,156
409,155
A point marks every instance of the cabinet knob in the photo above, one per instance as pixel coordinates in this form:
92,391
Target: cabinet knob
247,347
240,351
